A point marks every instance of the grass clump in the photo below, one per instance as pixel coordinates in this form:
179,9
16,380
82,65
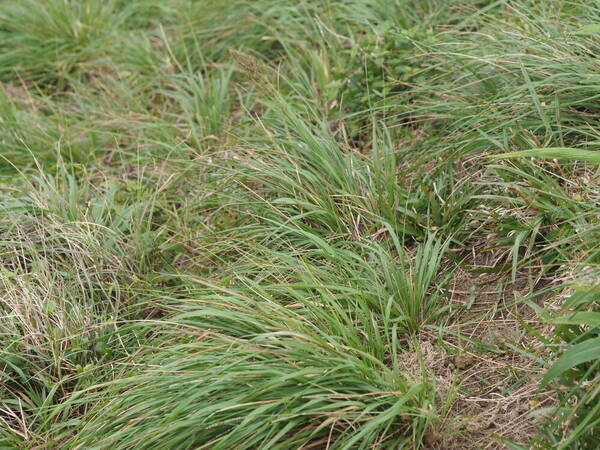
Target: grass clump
261,375
281,224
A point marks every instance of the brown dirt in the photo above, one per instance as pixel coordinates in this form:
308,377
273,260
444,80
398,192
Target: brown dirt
489,390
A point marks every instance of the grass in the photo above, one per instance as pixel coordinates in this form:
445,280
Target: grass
283,224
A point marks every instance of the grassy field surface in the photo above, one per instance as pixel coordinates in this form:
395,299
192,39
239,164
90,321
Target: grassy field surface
299,224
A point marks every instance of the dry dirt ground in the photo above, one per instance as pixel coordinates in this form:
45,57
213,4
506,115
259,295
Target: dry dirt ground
487,385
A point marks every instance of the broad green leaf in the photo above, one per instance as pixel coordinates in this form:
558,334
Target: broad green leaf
572,154
578,354
580,318
588,30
